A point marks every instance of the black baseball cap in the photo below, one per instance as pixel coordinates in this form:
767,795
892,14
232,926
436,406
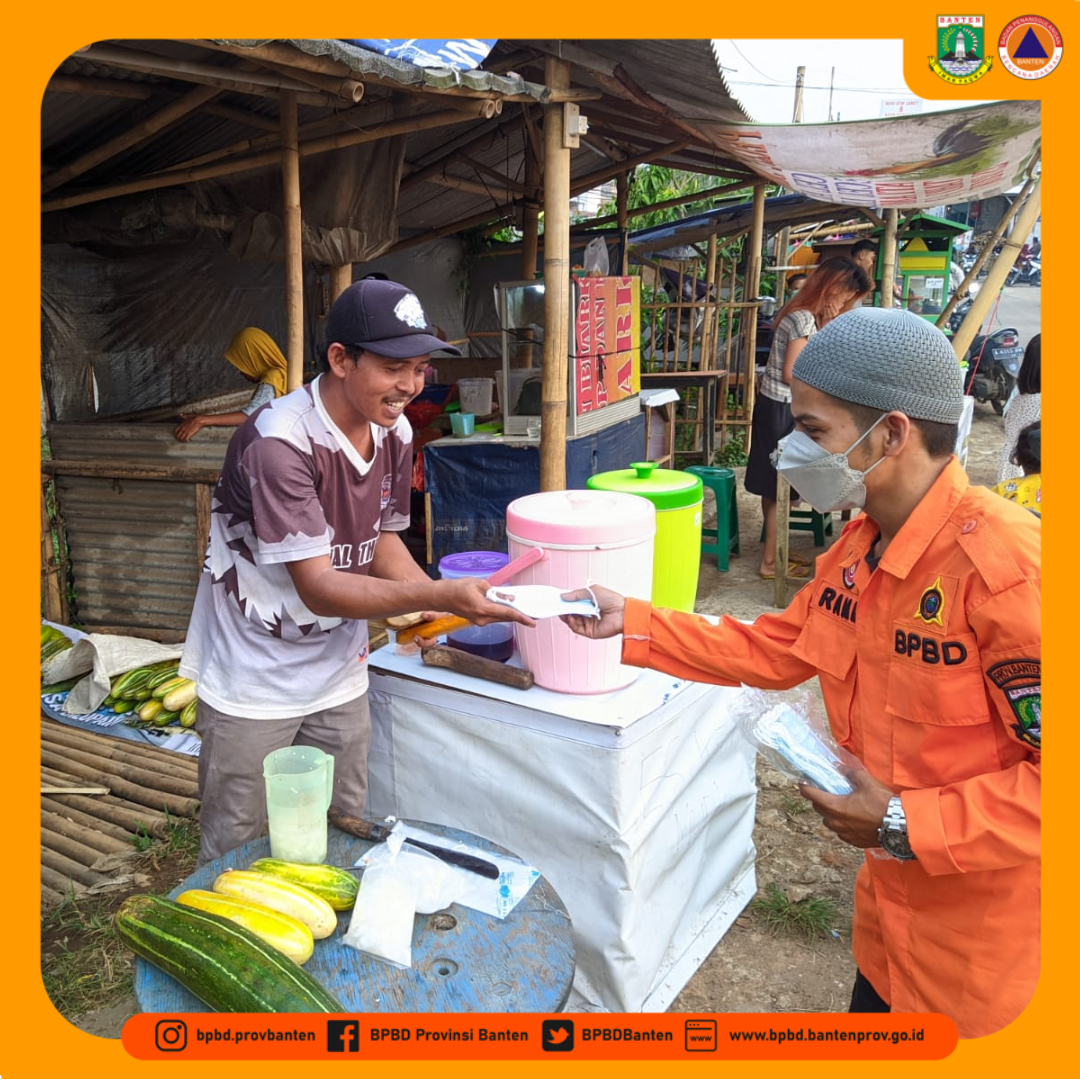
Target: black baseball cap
385,318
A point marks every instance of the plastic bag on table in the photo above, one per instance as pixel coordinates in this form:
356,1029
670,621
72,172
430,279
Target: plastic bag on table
790,731
435,884
596,262
382,917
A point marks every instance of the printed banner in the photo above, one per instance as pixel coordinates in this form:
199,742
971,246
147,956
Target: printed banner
463,54
908,162
607,339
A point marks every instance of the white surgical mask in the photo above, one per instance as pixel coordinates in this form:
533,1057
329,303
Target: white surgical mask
826,481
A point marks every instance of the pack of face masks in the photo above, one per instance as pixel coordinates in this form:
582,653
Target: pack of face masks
792,743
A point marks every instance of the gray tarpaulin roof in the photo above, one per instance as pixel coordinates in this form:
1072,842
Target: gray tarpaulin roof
650,101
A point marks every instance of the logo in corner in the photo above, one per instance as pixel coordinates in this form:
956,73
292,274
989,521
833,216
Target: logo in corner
961,55
557,1035
932,605
1030,47
1021,683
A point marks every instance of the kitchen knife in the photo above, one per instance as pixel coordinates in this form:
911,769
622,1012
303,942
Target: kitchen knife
369,830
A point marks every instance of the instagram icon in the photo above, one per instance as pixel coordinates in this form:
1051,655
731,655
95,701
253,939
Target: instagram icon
170,1034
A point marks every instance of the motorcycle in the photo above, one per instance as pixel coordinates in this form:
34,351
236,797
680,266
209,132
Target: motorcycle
993,360
1030,273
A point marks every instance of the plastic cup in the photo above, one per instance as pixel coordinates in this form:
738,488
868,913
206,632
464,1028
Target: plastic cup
462,424
299,787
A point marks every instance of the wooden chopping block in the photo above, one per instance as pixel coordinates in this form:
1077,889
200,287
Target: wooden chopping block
480,668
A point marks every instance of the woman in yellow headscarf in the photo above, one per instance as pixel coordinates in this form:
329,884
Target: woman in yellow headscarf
253,353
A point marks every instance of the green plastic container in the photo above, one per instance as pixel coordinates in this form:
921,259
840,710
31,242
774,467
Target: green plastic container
677,497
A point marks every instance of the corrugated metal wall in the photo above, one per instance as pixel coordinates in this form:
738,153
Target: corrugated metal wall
134,548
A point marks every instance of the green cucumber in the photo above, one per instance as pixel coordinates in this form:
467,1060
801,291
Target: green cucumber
221,963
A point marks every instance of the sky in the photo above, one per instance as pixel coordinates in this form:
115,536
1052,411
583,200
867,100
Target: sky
761,75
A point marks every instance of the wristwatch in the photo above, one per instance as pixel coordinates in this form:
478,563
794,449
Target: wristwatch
893,835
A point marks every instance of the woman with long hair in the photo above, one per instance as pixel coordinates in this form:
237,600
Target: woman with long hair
255,355
835,286
1023,409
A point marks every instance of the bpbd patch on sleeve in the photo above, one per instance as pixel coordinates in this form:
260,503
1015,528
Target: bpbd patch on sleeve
1021,683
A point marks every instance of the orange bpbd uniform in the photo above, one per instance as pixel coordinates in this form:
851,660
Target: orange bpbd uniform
929,666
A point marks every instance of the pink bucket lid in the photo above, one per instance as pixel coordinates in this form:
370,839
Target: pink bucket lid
581,517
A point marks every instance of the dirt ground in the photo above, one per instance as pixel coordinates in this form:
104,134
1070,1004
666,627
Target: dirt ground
753,969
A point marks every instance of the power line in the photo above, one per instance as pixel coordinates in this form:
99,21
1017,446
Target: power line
836,89
754,66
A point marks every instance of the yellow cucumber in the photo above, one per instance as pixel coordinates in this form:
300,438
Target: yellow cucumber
283,932
180,697
162,689
281,895
149,709
337,887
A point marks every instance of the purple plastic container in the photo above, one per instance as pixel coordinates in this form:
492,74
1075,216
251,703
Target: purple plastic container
496,640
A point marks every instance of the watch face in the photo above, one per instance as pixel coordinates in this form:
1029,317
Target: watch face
896,843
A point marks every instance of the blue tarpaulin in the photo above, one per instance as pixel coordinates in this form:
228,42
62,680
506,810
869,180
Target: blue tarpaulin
472,483
462,54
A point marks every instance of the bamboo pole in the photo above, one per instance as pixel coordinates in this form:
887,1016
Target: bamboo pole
600,176
263,84
92,838
71,868
888,257
987,251
116,833
162,762
149,127
59,883
126,815
294,258
289,57
557,280
261,160
622,195
340,280
708,344
69,847
530,224
134,790
999,271
783,515
113,769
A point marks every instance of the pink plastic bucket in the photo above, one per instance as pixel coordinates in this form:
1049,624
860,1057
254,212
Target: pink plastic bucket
604,537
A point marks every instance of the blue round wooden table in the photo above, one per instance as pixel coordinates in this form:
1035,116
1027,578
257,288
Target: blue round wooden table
462,960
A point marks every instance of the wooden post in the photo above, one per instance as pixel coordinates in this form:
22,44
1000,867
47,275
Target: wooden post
751,288
888,257
530,225
294,259
340,280
557,281
622,195
783,242
709,312
985,254
999,271
783,516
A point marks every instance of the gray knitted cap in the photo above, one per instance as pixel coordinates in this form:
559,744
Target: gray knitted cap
886,358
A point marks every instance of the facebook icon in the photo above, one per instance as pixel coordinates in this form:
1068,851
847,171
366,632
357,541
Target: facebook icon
342,1036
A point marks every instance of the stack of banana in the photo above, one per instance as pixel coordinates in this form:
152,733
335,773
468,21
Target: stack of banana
156,694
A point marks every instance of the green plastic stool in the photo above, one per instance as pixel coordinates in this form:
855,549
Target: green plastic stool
722,484
821,525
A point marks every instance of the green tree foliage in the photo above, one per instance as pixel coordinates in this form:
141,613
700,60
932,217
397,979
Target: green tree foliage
650,184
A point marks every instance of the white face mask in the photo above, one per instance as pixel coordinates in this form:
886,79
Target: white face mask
826,481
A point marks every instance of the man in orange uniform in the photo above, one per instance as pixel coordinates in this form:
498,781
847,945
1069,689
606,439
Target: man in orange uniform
922,624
